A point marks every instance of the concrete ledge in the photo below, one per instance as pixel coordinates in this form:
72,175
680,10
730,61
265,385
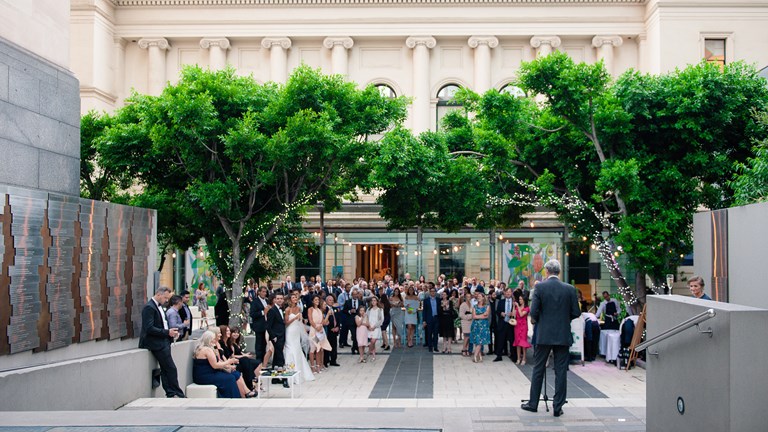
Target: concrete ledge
103,382
197,391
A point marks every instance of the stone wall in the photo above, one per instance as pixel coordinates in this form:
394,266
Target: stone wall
39,123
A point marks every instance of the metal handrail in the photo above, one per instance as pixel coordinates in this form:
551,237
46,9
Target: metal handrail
694,321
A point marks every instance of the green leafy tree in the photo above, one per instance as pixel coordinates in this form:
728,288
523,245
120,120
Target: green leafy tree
242,162
751,182
641,153
98,181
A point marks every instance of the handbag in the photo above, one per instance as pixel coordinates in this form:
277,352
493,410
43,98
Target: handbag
512,321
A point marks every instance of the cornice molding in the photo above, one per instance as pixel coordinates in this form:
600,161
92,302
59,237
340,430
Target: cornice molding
220,42
161,43
345,41
475,41
270,42
219,3
427,41
601,40
552,41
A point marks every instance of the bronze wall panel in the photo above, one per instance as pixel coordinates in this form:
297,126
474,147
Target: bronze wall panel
28,214
62,214
93,222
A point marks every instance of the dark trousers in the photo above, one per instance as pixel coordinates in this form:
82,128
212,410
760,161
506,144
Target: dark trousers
278,359
355,349
505,337
540,355
168,374
261,344
431,334
347,324
331,356
493,337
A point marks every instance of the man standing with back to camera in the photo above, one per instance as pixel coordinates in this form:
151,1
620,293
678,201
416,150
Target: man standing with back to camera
553,307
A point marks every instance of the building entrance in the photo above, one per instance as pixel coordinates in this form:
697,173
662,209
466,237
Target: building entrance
374,261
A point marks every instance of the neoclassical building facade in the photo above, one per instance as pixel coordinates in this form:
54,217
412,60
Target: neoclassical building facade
415,48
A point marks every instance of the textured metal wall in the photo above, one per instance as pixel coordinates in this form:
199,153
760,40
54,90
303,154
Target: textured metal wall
73,270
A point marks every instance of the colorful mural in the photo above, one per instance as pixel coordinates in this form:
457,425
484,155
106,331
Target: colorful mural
525,262
198,270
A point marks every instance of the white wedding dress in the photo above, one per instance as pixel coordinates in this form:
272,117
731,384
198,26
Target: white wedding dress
293,352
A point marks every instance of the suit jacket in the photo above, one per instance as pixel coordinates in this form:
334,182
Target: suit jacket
427,314
501,307
275,324
153,336
553,307
258,319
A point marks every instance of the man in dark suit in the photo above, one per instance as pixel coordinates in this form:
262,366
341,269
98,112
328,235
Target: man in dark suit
186,315
156,336
276,330
553,307
350,310
258,313
332,330
429,318
505,333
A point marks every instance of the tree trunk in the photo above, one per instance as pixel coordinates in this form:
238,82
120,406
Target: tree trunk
616,274
640,288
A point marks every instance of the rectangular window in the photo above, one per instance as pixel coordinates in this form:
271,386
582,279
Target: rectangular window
452,259
309,264
714,51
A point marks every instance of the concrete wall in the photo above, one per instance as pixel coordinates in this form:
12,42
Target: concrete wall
39,122
103,382
721,379
747,240
747,237
40,26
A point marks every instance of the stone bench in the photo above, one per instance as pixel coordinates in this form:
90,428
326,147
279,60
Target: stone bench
197,391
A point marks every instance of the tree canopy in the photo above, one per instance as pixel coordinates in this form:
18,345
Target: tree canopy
625,163
242,162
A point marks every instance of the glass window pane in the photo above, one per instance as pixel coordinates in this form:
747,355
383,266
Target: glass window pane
513,90
446,93
714,51
452,259
386,90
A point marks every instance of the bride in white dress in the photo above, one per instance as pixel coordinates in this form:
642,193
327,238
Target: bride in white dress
293,353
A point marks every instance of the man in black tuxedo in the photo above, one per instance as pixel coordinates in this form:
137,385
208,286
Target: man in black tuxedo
553,307
332,330
276,328
258,313
157,337
505,333
429,318
350,310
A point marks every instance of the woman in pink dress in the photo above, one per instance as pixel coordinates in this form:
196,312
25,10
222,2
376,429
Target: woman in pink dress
361,320
521,329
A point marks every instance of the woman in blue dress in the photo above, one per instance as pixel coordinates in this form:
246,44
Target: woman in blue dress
480,333
207,369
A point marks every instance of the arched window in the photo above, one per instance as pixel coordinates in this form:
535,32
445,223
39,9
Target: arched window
513,90
445,102
386,91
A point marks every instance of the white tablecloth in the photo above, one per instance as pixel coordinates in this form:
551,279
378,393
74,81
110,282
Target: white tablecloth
610,343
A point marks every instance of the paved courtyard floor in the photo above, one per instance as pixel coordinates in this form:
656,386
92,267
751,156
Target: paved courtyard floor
402,391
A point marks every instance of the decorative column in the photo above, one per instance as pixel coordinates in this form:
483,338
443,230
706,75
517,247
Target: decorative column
156,75
217,52
421,98
339,59
642,48
604,45
544,45
118,80
278,57
482,46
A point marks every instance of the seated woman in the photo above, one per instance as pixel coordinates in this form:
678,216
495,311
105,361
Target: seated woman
208,369
249,366
217,347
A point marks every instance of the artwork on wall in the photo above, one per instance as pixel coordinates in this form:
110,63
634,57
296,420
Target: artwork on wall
525,262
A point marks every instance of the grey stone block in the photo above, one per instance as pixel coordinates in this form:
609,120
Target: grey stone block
18,165
59,173
15,124
61,102
31,64
23,89
3,82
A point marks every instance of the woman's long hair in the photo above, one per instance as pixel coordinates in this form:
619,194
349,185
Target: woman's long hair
205,341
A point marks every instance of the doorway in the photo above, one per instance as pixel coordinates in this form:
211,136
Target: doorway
374,261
